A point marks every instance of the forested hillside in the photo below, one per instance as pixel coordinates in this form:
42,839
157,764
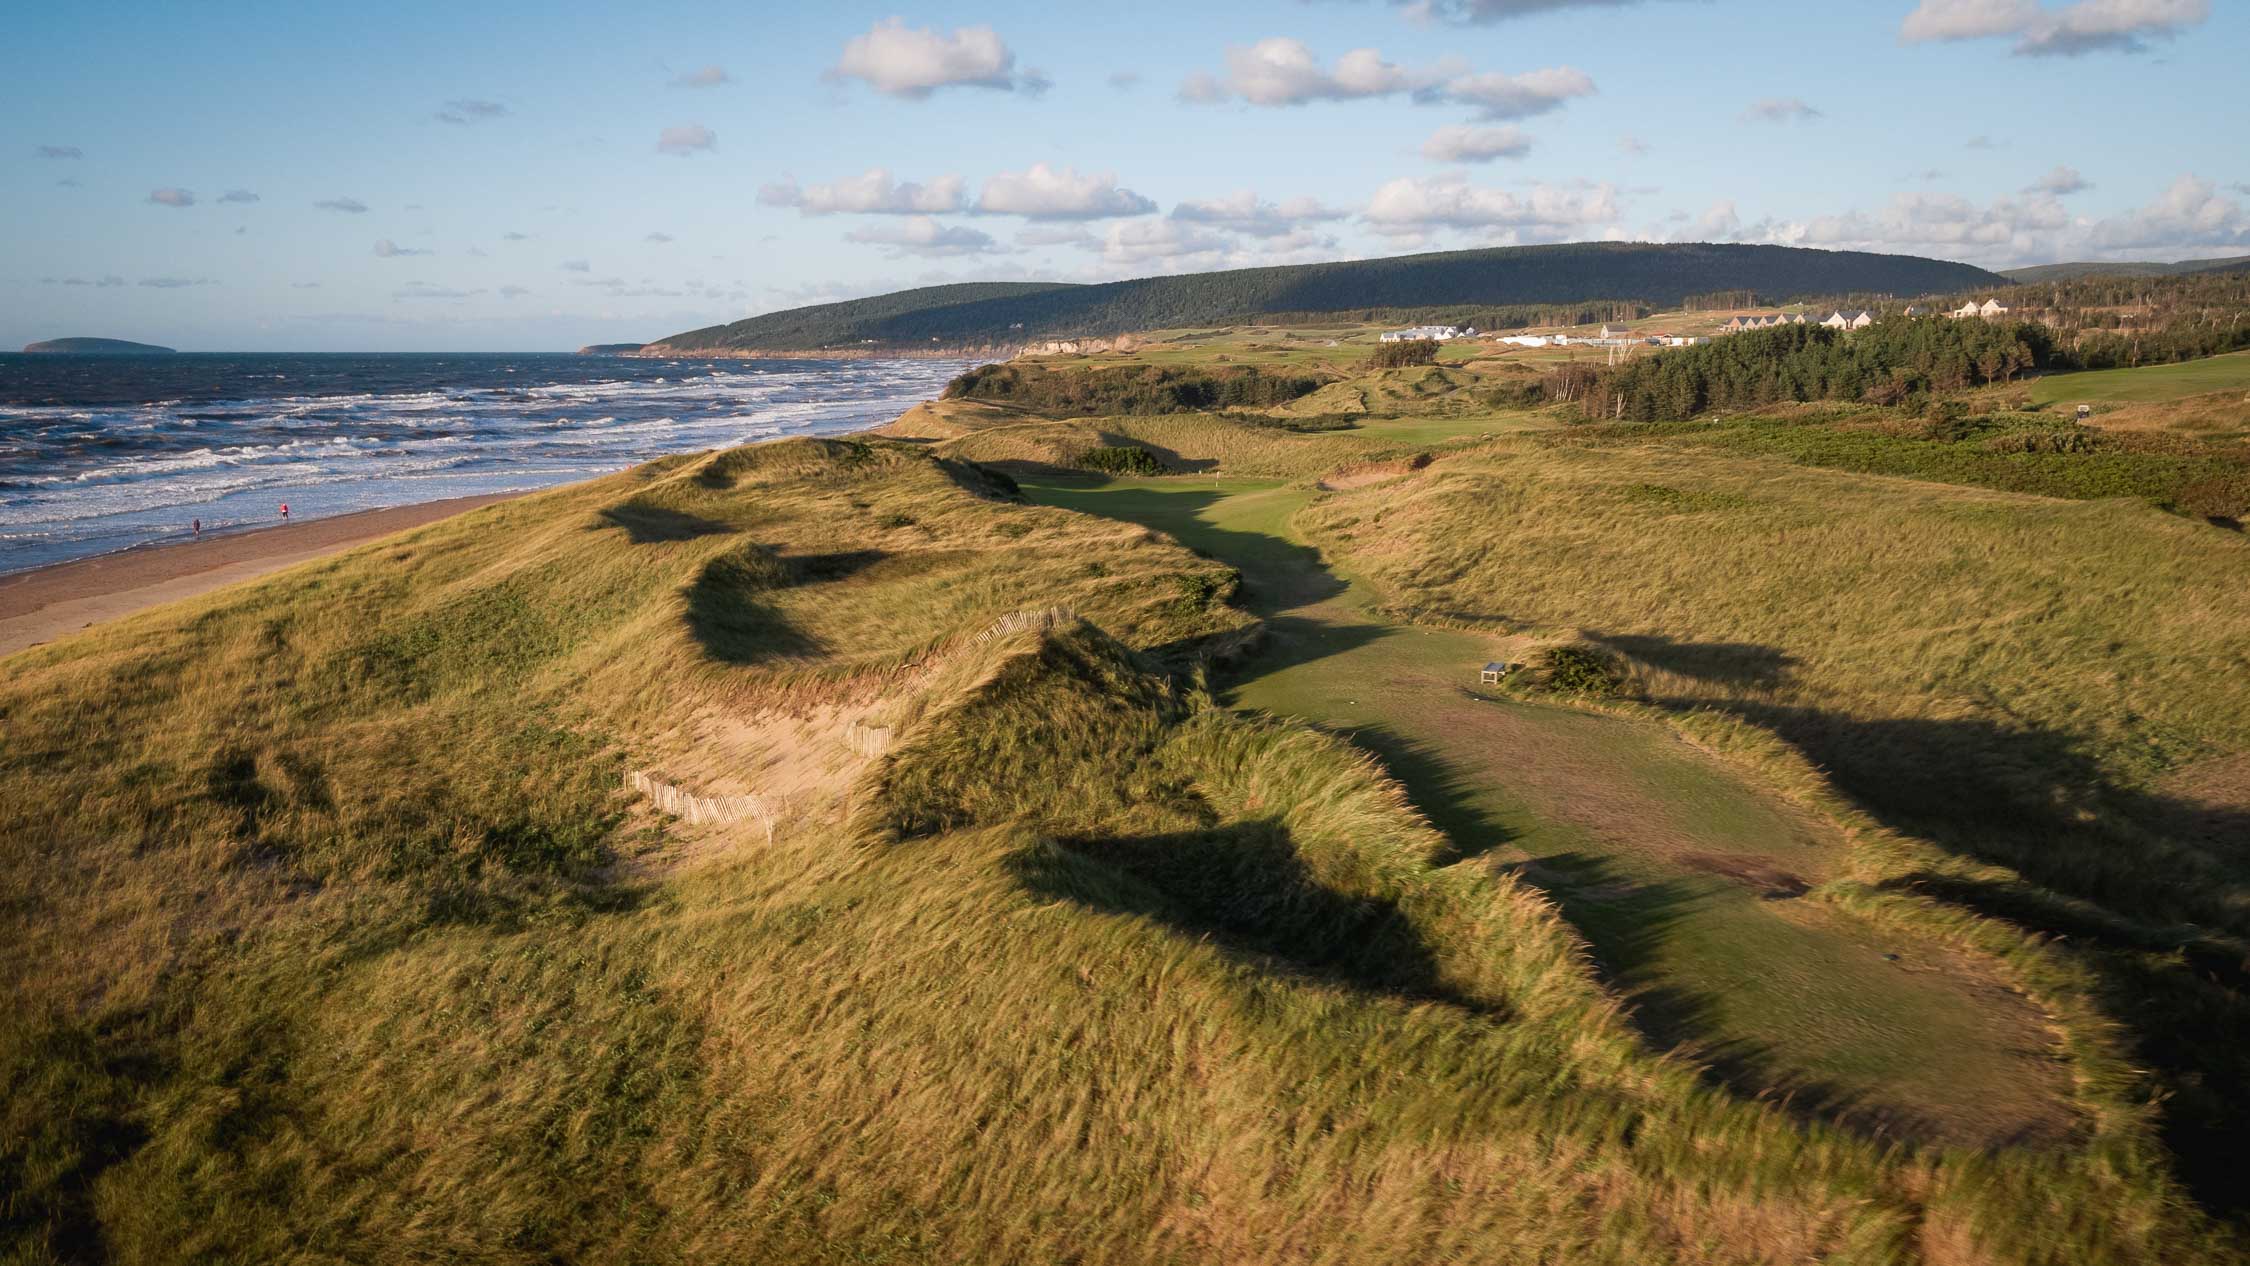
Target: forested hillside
2094,268
1563,274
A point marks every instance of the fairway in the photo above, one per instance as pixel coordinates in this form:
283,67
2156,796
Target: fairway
1687,880
2147,385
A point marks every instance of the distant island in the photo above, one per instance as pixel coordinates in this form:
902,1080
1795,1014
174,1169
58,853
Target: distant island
610,349
95,347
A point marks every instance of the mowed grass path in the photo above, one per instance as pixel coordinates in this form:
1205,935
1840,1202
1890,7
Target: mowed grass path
2148,384
1687,881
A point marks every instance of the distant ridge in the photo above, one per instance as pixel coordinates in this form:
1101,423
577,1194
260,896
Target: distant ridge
610,349
95,347
2092,268
995,314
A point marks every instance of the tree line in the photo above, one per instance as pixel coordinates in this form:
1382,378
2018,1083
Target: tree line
1891,362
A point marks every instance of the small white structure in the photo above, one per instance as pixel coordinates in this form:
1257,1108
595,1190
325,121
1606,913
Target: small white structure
1494,672
1433,333
1992,308
1615,331
1858,320
1529,340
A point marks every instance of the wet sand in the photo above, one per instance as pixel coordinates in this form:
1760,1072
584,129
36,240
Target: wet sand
47,602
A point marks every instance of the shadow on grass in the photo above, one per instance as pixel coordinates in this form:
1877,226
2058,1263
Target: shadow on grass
814,569
1743,664
1245,886
647,524
1442,789
731,615
2147,891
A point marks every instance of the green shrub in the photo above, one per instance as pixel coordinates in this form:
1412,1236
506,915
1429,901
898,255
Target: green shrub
1195,592
1117,459
1404,354
1129,389
1580,670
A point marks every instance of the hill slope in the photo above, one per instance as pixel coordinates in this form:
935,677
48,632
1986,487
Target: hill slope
2093,268
1005,313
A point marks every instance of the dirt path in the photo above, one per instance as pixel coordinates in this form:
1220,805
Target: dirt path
1688,881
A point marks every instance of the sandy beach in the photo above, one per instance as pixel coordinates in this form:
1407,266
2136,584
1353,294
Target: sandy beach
47,602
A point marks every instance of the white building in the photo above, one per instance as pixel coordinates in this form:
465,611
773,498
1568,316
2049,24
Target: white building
1993,308
1529,340
1859,320
1434,333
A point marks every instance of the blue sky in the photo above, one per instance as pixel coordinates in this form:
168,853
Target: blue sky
518,176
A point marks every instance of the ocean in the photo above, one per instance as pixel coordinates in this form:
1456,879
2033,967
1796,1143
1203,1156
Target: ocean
102,453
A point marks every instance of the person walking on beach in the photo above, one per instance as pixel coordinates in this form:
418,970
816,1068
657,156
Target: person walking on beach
285,512
199,527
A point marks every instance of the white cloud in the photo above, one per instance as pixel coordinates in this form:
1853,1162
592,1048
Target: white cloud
1479,11
2062,180
577,266
873,192
706,77
171,283
1033,235
1060,193
58,151
1412,206
1780,110
2067,30
1284,72
511,292
921,235
1502,96
2189,216
913,62
424,290
238,195
388,249
1139,244
1632,146
171,197
685,139
1243,213
658,238
1124,80
350,206
1464,143
470,111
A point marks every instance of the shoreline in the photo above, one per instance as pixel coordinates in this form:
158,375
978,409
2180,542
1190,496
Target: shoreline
44,603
